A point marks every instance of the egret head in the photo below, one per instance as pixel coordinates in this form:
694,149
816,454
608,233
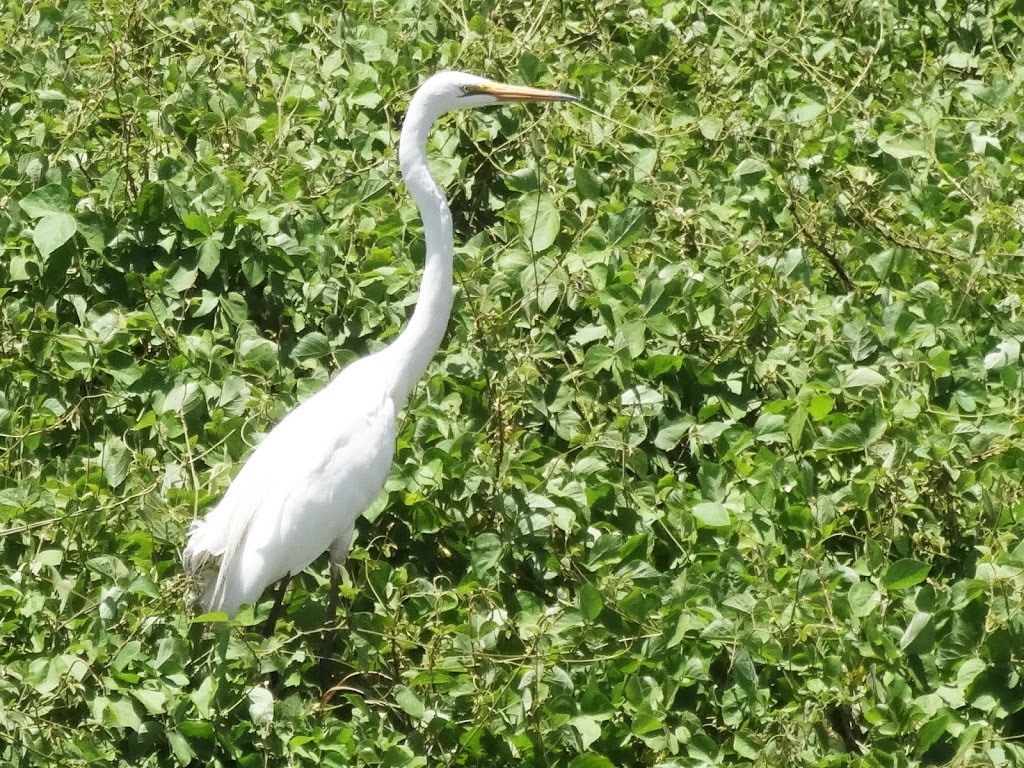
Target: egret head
447,91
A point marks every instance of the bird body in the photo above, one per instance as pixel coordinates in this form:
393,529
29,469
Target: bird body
324,464
305,484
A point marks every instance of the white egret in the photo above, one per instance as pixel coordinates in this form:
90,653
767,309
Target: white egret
319,469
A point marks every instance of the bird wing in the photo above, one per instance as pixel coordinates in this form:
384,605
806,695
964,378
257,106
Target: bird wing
301,490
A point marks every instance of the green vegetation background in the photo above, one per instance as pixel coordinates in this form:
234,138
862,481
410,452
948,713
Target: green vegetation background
720,463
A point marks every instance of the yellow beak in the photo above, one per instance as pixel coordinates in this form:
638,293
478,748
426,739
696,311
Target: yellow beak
523,93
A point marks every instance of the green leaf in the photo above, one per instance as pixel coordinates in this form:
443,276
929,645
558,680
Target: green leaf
121,714
24,268
919,634
712,514
711,126
261,706
235,307
52,231
94,230
770,428
486,553
626,227
234,395
259,353
409,702
796,425
863,377
523,180
933,730
658,365
540,221
795,263
968,671
312,346
670,435
202,697
182,398
155,702
116,460
149,205
901,147
183,276
1007,352
180,747
746,747
863,598
906,409
588,184
51,557
399,756
845,436
598,357
591,602
209,257
807,113
749,166
589,333
197,222
905,573
42,202
588,728
254,271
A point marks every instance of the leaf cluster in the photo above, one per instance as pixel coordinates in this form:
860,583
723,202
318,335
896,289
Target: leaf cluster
720,462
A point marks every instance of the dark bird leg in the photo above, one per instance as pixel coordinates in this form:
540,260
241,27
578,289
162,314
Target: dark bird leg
339,551
275,611
330,627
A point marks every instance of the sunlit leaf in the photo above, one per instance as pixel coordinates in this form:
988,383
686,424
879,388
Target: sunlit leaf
311,346
540,221
261,706
46,200
591,602
905,573
116,460
863,377
410,703
901,147
712,514
52,231
1007,352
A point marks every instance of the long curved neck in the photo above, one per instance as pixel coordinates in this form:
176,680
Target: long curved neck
412,351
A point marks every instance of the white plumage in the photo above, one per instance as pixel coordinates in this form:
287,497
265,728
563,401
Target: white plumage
308,481
300,491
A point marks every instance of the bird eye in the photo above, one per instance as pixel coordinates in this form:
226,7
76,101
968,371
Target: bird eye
468,90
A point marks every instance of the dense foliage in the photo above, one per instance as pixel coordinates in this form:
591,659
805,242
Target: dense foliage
720,462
